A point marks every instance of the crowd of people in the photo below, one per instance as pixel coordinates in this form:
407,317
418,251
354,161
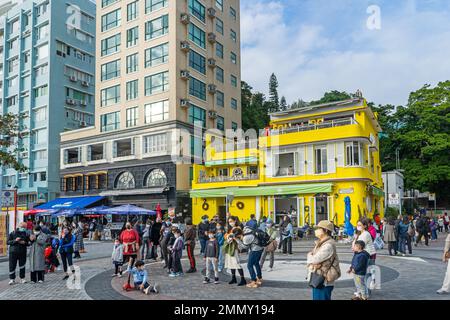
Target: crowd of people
222,245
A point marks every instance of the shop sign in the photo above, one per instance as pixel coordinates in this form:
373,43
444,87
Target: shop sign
346,191
3,235
394,199
7,199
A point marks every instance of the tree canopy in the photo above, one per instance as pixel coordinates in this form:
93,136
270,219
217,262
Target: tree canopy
11,141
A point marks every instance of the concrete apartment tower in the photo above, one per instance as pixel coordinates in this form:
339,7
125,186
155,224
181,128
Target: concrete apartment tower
161,66
47,68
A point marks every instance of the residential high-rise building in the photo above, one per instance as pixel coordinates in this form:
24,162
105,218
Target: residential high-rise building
162,65
47,71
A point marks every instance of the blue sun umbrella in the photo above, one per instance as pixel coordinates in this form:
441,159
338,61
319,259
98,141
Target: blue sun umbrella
349,229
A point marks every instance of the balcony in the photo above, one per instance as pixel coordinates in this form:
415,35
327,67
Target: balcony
311,127
228,178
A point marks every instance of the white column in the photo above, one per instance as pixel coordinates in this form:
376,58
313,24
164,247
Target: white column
258,208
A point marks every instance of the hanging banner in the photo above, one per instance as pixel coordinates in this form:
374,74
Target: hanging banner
3,235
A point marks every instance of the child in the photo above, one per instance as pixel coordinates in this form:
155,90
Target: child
117,258
211,257
220,240
140,277
176,252
359,265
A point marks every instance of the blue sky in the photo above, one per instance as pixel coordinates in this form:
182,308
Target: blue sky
319,45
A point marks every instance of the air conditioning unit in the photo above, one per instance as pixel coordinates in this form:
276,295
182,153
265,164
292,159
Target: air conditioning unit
70,101
185,74
85,84
73,78
83,123
185,46
24,154
212,88
83,103
212,37
185,18
211,12
212,63
185,103
212,114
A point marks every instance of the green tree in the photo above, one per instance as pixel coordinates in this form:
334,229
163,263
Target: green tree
283,104
273,94
298,104
254,109
11,141
333,96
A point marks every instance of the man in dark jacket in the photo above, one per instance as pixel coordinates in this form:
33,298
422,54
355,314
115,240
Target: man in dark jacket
189,238
18,241
203,229
155,236
423,229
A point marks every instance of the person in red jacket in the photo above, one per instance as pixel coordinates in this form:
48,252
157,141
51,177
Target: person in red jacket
130,241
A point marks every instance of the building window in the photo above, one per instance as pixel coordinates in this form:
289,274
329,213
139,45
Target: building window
233,36
233,14
111,45
110,70
42,52
197,9
158,111
125,181
40,136
108,2
155,143
157,55
321,159
156,178
132,90
132,36
234,104
110,96
219,26
220,99
219,50
157,27
132,11
234,126
197,114
233,58
111,20
41,91
353,152
40,114
197,35
132,63
197,88
219,74
220,123
233,81
157,83
197,62
132,117
152,5
219,4
110,121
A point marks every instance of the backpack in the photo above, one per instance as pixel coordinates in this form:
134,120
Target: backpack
419,224
262,237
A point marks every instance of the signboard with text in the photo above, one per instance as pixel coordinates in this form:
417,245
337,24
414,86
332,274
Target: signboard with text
7,199
394,199
3,235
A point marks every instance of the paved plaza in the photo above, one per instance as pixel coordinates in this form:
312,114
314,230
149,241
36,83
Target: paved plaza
414,277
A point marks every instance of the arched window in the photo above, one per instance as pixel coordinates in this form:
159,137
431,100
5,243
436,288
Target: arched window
125,181
156,178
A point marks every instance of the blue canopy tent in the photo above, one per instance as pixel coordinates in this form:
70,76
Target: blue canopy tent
69,207
128,209
349,229
96,210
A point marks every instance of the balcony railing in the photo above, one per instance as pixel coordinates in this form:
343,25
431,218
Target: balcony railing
96,157
285,172
74,160
227,178
310,127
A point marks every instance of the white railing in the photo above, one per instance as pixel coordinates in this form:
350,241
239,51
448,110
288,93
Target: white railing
226,178
310,127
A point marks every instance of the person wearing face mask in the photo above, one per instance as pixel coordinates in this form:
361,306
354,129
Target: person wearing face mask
221,241
323,261
231,251
166,237
364,235
66,243
18,241
145,250
189,238
270,249
203,229
44,228
79,244
37,255
176,251
155,236
130,241
211,257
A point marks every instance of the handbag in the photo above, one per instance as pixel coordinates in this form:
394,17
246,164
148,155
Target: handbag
272,246
317,281
447,256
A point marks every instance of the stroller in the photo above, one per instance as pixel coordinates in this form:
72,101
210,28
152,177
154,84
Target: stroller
51,260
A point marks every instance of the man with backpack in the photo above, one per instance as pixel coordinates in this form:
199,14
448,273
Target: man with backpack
423,230
255,240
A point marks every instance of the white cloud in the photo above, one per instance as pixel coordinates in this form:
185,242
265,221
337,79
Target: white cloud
411,49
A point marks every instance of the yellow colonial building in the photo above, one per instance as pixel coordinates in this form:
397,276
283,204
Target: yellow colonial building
305,164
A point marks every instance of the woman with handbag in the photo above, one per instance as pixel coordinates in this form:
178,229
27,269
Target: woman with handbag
231,250
323,263
446,257
270,249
